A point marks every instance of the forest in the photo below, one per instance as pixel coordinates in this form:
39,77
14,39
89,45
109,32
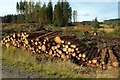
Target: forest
114,22
35,12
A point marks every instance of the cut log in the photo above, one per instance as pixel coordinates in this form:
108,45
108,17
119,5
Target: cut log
43,48
103,54
73,54
94,60
84,55
90,65
7,45
50,52
109,66
95,49
90,53
63,56
113,59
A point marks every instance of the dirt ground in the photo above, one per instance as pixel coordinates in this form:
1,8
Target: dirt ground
9,71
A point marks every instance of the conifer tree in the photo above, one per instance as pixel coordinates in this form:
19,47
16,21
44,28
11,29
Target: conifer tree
37,12
49,12
62,13
17,7
26,12
58,16
18,10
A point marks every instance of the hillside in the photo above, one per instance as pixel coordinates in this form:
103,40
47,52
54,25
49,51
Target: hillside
114,22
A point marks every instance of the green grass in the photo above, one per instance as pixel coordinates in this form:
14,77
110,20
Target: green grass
67,29
52,27
57,68
115,33
26,60
71,30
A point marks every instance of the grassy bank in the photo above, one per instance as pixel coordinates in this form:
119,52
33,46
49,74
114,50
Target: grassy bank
56,68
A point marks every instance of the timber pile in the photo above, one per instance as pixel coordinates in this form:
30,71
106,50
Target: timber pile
55,44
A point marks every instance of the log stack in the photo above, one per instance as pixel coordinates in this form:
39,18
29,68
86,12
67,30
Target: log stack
55,44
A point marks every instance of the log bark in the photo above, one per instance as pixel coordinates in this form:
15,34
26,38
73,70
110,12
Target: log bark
103,54
113,59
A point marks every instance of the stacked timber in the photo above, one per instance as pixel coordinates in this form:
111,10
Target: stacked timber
55,44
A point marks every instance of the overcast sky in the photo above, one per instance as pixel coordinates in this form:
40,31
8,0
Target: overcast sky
87,9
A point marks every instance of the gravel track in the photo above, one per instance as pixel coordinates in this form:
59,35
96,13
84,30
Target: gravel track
9,71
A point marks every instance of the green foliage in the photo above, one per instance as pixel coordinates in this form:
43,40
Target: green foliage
86,22
36,13
43,15
62,14
26,14
95,23
67,13
115,33
119,24
58,16
52,27
21,7
17,7
7,18
49,12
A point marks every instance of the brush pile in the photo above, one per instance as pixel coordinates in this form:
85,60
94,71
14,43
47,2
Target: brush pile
66,46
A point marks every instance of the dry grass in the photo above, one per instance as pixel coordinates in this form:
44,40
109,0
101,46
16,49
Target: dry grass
104,25
80,27
83,27
106,29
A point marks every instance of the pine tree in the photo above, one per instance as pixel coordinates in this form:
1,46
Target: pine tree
43,16
49,12
66,12
58,15
17,7
36,12
26,13
32,12
62,13
54,15
21,7
18,10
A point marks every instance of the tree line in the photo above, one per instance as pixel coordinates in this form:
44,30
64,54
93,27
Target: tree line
35,12
114,22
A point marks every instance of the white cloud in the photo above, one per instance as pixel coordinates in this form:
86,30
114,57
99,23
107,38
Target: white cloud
86,14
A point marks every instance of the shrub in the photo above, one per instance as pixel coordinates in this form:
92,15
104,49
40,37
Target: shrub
95,23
